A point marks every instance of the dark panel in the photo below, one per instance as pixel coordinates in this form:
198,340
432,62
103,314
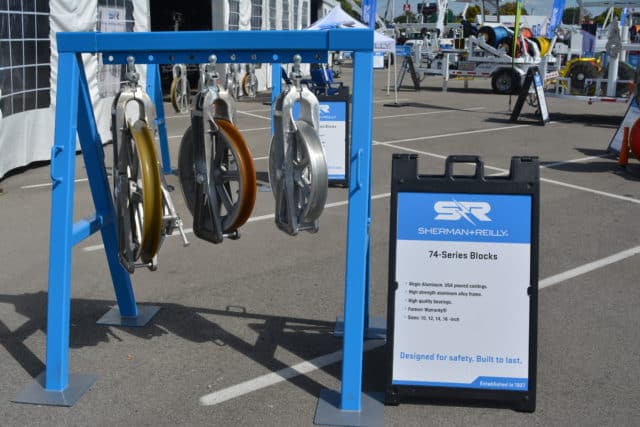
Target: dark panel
42,76
29,26
4,25
18,103
5,106
16,53
42,6
28,5
29,101
42,26
5,59
44,99
29,78
15,4
43,52
29,52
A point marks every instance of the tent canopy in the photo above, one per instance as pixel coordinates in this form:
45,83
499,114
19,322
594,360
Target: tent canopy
338,18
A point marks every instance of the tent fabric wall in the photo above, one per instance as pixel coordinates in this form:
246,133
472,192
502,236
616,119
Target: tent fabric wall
282,18
27,136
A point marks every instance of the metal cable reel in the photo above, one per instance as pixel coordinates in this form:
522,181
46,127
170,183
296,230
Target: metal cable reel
250,82
297,164
215,164
144,210
231,83
180,92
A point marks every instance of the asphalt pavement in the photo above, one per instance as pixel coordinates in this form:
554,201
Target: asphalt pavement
239,320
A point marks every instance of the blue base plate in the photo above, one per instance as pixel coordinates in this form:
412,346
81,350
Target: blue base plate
113,317
377,329
35,393
328,411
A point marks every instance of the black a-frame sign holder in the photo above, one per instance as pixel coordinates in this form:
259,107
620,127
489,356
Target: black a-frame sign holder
533,76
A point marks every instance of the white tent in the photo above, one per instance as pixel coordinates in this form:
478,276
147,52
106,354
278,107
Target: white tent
28,70
338,18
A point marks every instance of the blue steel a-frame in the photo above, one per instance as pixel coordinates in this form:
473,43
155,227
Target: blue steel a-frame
75,117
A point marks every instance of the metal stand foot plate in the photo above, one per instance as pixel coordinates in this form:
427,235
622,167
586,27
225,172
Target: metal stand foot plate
377,329
113,317
35,393
328,411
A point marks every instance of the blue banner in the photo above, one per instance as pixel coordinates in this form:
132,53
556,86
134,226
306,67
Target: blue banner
464,217
369,13
488,383
556,17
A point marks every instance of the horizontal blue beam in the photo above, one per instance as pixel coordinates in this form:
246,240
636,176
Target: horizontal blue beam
223,57
86,227
265,44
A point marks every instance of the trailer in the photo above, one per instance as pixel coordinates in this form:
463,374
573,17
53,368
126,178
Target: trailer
484,55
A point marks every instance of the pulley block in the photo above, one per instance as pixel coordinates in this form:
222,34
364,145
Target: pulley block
144,210
250,82
297,164
216,166
180,91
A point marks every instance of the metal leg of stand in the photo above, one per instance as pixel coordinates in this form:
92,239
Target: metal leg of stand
347,408
154,89
276,88
55,387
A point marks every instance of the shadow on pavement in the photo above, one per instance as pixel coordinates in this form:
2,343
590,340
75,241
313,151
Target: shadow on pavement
306,338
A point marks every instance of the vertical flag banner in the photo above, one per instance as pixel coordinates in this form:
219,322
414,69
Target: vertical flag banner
516,31
556,17
369,13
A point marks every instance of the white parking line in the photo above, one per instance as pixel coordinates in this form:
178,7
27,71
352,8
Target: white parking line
447,135
586,268
547,180
254,115
331,358
428,113
48,184
279,376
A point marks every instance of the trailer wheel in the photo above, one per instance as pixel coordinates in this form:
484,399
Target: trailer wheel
505,81
579,72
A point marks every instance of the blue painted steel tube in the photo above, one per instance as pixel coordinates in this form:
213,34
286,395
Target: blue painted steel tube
93,154
276,88
357,232
63,163
154,89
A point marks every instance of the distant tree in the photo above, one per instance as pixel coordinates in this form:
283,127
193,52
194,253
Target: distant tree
571,16
599,20
472,12
510,9
408,16
346,6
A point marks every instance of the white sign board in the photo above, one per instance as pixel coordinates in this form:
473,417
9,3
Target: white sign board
461,306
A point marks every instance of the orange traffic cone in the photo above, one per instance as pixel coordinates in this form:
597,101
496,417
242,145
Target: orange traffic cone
623,158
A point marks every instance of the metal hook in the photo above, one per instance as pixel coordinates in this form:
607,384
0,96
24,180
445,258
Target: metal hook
131,75
211,74
296,74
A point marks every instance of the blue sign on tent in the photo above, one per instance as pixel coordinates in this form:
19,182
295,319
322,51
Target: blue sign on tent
403,50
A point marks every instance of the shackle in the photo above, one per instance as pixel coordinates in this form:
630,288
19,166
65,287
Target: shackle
309,107
213,101
131,92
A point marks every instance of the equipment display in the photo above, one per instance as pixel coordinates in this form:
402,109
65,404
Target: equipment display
215,164
297,165
145,211
250,82
180,91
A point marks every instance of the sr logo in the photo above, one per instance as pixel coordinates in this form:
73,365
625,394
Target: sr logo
454,211
324,108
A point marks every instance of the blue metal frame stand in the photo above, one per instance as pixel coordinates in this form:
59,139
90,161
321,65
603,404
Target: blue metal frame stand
74,116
